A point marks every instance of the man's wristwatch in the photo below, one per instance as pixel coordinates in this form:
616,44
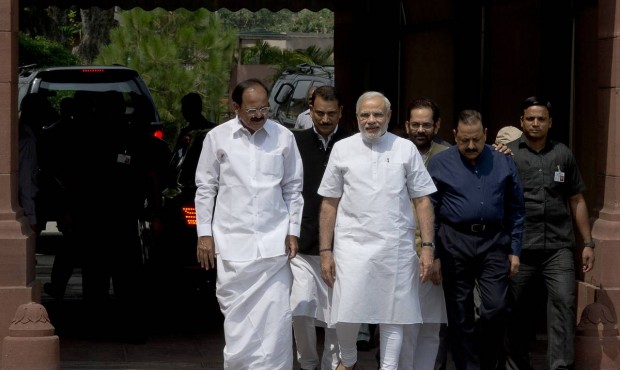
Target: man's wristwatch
590,244
428,244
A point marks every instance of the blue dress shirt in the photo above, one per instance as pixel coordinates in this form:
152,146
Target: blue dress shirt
486,193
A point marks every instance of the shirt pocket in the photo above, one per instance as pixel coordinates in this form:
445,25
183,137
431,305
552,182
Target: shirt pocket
272,165
394,176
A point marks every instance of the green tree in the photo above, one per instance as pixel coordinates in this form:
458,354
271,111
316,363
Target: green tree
42,52
282,21
175,52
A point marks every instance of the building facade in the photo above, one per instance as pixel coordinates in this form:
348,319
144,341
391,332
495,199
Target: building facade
486,55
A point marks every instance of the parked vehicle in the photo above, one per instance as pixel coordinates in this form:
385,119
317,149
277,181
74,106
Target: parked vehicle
87,88
288,97
175,251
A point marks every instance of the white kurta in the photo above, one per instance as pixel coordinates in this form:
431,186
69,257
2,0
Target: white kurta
376,263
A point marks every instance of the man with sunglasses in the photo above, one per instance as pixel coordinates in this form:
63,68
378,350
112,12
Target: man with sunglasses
252,166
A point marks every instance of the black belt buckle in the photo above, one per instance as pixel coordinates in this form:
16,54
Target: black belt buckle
477,228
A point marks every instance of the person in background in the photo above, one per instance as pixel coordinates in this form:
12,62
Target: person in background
507,134
553,191
32,119
479,213
304,119
422,342
191,109
309,296
369,184
251,164
67,255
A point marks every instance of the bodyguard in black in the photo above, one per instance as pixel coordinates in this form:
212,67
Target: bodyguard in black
309,295
553,188
479,214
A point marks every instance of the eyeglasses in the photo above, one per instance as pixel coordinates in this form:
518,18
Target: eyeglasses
253,111
425,125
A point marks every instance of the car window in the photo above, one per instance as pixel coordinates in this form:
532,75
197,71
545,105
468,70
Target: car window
66,82
288,97
297,103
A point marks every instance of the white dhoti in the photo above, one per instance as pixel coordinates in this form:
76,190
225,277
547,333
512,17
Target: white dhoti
310,305
254,297
310,294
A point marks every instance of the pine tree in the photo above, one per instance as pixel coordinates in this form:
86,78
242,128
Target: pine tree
175,52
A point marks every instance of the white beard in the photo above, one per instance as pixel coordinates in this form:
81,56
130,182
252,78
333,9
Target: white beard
372,137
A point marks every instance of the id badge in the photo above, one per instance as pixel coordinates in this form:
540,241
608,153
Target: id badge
558,176
123,158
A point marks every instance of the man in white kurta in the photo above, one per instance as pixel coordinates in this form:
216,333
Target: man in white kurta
252,165
368,186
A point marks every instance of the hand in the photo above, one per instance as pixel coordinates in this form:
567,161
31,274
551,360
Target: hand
291,246
426,263
502,148
436,276
515,263
205,252
587,259
328,268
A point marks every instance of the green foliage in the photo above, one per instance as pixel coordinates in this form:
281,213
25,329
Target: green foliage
175,52
43,52
282,21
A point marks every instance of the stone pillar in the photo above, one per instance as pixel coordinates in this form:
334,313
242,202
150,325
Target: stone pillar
597,339
31,343
598,297
17,261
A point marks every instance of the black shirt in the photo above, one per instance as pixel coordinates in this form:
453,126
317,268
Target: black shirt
549,177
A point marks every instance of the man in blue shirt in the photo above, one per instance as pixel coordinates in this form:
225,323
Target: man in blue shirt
479,215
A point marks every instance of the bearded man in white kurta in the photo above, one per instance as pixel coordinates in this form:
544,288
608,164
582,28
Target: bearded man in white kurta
368,186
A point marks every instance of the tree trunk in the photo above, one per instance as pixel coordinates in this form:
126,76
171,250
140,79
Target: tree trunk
96,26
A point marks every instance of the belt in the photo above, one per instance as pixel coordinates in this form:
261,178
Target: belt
476,228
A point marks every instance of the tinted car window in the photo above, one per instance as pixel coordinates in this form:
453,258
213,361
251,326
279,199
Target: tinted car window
60,82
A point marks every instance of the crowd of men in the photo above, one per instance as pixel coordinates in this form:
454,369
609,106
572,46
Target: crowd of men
318,228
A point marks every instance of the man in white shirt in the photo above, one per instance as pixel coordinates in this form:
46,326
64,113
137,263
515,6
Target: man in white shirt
368,186
304,119
253,167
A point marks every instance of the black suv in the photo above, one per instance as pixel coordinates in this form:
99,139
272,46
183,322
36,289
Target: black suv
174,253
87,87
288,96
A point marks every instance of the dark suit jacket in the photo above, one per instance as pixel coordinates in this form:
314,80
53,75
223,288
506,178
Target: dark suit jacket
314,159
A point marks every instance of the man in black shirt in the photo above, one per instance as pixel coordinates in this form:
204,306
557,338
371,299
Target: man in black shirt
553,188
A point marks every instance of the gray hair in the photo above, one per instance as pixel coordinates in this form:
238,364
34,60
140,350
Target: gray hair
369,95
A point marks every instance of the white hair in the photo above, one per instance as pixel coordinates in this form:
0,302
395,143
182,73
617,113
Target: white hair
369,95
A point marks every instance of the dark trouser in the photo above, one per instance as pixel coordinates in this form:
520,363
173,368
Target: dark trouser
555,269
465,259
117,256
67,257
